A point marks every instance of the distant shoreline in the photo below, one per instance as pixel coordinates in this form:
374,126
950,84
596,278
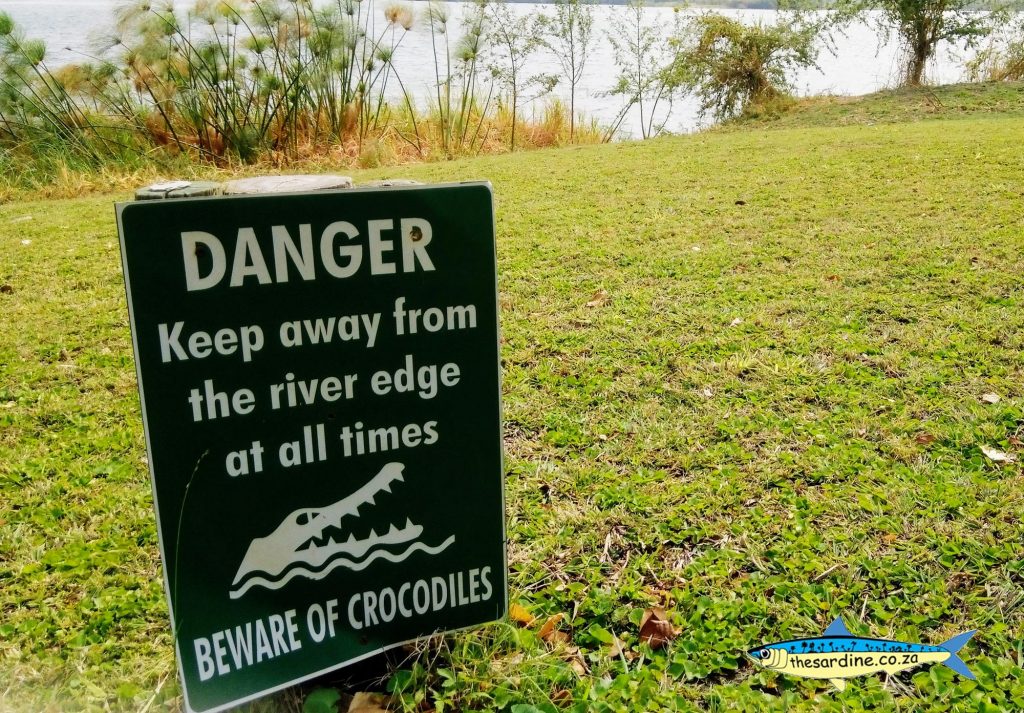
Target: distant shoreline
713,5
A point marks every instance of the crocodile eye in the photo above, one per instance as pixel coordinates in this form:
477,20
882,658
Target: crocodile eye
763,653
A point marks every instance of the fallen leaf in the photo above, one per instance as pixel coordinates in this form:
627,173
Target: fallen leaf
991,398
741,202
924,438
695,248
368,703
998,456
655,628
833,278
520,615
576,661
7,289
707,392
26,242
549,626
561,697
736,322
959,581
556,638
21,219
1014,441
599,299
507,663
616,649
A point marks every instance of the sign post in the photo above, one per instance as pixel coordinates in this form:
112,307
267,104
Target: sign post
319,380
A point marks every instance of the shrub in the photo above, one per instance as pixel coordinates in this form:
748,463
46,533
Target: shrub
732,67
1001,61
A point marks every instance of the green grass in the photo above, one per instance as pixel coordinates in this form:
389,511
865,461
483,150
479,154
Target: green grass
772,418
907,104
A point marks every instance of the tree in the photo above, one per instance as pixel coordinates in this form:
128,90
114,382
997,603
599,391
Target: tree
731,66
646,78
514,40
922,25
567,35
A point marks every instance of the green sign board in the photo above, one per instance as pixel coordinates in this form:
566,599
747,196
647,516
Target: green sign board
319,379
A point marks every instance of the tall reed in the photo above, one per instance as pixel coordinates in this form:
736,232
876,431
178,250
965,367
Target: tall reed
463,93
229,81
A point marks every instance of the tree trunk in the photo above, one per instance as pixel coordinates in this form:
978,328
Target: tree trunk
572,112
915,70
922,45
512,143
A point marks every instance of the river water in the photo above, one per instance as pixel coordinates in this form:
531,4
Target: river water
860,64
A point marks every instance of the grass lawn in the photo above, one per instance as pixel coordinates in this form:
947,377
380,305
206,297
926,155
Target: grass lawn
743,377
907,104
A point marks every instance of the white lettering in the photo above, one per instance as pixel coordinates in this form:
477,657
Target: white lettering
379,246
352,255
249,260
190,242
284,248
416,235
203,659
352,604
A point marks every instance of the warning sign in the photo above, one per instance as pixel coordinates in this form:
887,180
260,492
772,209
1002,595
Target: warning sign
319,380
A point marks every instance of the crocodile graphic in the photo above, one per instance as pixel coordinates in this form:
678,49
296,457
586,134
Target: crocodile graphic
298,546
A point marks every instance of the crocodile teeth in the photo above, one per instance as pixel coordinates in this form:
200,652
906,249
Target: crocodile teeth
393,530
408,523
386,487
331,542
351,539
369,500
373,534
